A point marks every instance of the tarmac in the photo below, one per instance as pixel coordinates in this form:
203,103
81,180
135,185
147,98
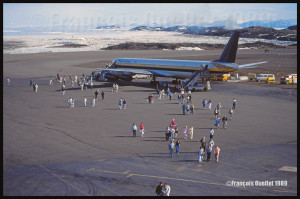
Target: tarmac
50,149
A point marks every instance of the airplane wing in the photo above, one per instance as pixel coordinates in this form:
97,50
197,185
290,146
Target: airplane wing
251,65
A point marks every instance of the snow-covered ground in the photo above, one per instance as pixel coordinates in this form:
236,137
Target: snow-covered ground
103,38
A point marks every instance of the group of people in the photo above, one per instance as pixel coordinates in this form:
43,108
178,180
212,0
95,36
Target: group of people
97,92
163,189
208,150
134,129
184,98
122,103
115,87
208,146
172,131
205,147
188,109
224,118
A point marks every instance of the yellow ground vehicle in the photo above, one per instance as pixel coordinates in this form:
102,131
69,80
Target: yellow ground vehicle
289,79
223,77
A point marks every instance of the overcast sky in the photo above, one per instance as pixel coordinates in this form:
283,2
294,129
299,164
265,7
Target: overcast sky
128,14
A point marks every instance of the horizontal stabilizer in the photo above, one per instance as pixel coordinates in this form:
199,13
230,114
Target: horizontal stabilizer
251,65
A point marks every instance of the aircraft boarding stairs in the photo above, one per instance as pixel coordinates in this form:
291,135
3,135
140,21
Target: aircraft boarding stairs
196,76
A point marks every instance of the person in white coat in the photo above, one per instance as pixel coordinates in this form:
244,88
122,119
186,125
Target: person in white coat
84,101
166,189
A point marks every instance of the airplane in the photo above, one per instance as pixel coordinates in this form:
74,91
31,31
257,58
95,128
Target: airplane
126,68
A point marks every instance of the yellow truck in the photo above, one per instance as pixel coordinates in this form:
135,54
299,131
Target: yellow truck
289,79
223,77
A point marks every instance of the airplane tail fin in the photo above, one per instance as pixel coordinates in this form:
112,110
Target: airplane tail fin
229,53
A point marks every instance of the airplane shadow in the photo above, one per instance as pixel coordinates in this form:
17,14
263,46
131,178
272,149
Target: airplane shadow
184,161
124,136
202,128
152,156
154,140
111,109
62,107
157,137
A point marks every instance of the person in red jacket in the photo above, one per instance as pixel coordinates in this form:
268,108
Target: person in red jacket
142,129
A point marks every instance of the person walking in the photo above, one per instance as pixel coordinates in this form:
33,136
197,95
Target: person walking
217,122
36,87
209,104
166,190
216,112
96,94
142,129
230,113
113,87
183,108
173,122
185,132
234,103
177,146
158,189
208,151
64,80
8,81
187,109
192,108
120,103
170,95
204,104
124,103
219,107
201,151
217,153
172,133
167,132
102,95
30,82
70,102
211,143
176,131
33,86
93,102
171,147
63,88
134,129
73,103
211,133
224,120
203,145
191,132
84,101
179,98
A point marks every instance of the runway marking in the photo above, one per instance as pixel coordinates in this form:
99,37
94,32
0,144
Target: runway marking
126,172
287,168
179,179
64,181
